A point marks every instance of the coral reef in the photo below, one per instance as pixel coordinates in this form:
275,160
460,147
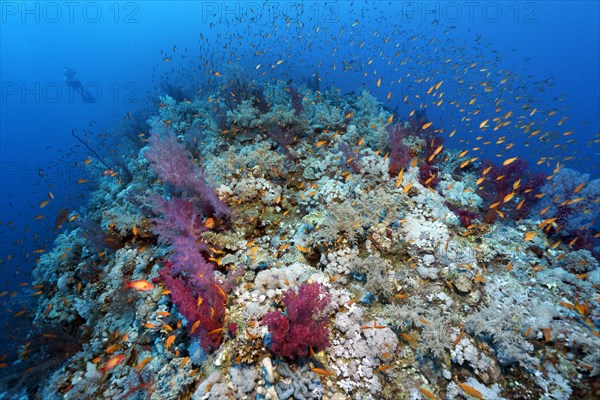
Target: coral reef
313,245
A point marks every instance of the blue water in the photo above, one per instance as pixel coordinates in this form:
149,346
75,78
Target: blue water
121,53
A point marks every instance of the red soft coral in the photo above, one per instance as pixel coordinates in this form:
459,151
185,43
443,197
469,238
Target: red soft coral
205,317
515,179
399,152
303,324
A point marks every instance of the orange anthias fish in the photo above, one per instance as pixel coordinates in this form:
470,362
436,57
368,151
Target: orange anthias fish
113,362
139,285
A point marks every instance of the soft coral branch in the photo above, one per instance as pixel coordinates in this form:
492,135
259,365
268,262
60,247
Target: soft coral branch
202,305
304,323
171,161
501,181
189,276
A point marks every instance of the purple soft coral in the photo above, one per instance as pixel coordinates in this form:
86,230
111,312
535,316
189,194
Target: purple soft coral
304,323
178,217
190,277
171,161
399,152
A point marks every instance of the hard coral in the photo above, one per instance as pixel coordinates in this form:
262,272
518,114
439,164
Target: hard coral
302,325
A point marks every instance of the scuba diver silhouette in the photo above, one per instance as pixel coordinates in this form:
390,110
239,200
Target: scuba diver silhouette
73,82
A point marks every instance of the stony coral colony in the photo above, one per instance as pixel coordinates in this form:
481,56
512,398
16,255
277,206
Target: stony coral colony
275,241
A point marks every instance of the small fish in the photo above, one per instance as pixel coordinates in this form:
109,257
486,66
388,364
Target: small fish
435,153
530,235
303,249
217,330
509,161
471,391
427,125
578,188
508,197
139,285
509,266
220,290
323,372
547,335
113,362
195,326
428,394
143,363
210,223
459,337
399,179
169,341
72,217
184,361
112,348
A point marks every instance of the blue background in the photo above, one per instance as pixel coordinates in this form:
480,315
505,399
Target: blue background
119,47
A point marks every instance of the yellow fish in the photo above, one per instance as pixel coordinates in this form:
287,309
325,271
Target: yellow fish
509,161
530,235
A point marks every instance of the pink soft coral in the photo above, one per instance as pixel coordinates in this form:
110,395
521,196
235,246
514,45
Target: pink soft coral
302,325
